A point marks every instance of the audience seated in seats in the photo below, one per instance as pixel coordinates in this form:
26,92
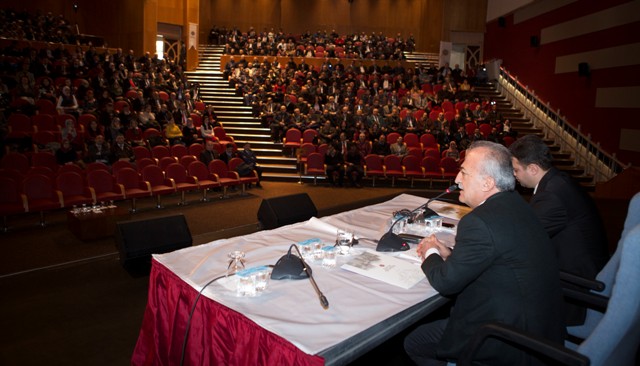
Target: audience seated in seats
334,162
380,146
122,150
99,151
399,148
228,153
251,160
172,132
209,153
354,162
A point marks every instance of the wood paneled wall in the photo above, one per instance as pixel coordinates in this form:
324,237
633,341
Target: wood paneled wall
428,20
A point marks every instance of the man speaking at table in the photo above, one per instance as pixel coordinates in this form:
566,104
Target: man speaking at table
502,269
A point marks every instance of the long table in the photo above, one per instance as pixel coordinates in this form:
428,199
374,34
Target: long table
286,324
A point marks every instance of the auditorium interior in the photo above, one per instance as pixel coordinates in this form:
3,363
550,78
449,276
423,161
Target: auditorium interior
178,77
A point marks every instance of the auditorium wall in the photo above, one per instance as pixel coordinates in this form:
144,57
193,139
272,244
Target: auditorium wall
603,35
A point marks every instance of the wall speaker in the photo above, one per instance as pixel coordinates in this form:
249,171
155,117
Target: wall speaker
583,69
138,239
286,210
502,22
534,41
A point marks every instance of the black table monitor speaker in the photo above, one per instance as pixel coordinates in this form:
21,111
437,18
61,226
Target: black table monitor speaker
138,239
286,210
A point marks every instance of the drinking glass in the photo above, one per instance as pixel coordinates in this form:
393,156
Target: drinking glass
236,262
306,248
246,283
262,278
329,257
344,241
317,250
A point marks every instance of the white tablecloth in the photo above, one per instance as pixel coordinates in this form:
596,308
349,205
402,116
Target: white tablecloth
290,308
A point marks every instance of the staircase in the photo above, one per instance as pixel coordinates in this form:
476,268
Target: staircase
561,159
237,119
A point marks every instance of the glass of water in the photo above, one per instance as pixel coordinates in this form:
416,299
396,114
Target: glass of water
344,241
329,257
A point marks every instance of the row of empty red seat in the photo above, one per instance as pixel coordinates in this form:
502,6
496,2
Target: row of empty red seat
68,188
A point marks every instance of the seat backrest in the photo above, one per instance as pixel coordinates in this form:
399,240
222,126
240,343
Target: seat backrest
306,149
195,149
141,163
449,165
38,186
392,162
315,161
160,152
177,172
614,340
71,168
96,165
322,149
17,161
218,167
179,151
101,180
373,162
485,129
44,122
166,161
293,135
308,135
411,139
120,164
470,128
392,137
9,191
199,170
431,164
70,183
153,174
141,152
608,274
431,152
186,160
128,177
411,162
46,159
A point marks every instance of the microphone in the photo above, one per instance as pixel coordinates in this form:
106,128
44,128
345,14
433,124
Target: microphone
290,267
429,212
390,242
293,267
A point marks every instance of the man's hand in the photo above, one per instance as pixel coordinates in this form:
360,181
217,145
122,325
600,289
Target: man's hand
432,242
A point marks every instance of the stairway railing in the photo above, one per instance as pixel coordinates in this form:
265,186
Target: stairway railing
587,154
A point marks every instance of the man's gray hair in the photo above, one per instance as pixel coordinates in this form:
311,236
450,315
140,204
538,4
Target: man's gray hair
496,164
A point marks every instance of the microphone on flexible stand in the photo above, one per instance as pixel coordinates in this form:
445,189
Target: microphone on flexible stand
429,212
390,242
293,267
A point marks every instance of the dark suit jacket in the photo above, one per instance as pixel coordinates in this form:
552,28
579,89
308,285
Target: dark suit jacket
504,269
572,221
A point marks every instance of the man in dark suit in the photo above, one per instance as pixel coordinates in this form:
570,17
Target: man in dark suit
503,268
566,211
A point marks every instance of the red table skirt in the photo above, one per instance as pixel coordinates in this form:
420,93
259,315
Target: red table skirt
217,336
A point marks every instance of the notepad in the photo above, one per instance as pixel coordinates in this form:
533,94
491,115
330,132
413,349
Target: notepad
385,268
